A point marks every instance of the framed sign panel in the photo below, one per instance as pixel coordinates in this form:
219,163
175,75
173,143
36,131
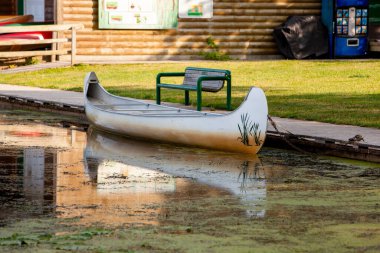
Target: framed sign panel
195,8
138,14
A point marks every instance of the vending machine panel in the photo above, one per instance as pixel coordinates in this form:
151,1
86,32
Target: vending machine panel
347,23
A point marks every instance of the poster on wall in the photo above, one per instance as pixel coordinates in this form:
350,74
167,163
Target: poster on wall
138,14
195,8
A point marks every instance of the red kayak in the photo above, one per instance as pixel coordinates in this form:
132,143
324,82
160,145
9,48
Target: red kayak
22,21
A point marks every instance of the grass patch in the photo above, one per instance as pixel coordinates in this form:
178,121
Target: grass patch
342,92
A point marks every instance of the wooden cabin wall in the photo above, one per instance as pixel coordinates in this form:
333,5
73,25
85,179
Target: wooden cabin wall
242,29
8,7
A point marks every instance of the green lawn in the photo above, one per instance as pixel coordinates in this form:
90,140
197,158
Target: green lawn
339,91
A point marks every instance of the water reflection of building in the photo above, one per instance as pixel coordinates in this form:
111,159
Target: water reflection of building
30,156
36,178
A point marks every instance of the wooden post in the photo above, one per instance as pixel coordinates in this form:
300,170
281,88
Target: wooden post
58,8
54,46
73,45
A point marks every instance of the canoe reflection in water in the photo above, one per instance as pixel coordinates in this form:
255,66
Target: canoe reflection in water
117,165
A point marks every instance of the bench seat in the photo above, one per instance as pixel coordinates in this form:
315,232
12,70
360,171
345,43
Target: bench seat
176,86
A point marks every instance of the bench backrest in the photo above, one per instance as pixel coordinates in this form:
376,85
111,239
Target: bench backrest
192,74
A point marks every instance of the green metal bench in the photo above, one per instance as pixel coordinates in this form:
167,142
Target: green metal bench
197,79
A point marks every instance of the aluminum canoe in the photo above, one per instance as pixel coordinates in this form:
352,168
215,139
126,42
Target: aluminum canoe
242,130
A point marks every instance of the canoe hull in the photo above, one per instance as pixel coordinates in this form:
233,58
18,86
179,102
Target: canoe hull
240,131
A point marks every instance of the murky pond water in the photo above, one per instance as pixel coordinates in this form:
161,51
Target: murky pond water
64,189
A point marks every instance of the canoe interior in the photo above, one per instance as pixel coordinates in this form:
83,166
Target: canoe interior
104,101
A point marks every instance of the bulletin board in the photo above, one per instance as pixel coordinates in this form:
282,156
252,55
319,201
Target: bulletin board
195,8
138,14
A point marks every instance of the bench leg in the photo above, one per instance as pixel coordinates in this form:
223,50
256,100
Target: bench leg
187,98
199,100
158,95
229,95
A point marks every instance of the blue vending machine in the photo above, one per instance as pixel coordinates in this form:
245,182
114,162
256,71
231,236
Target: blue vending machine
347,24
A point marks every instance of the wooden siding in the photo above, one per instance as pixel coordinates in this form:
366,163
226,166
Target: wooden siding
242,29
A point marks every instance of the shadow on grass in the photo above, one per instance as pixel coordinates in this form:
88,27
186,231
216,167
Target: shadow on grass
360,109
77,89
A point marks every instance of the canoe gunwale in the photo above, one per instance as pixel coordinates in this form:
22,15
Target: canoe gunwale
180,113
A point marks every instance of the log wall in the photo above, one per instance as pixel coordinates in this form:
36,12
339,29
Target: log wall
242,29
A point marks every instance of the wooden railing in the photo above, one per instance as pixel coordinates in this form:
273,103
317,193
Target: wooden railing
56,48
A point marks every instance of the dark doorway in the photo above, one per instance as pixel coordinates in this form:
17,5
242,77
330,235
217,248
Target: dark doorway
42,10
8,7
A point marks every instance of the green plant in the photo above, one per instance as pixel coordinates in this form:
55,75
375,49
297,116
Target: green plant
211,43
214,54
31,61
80,65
